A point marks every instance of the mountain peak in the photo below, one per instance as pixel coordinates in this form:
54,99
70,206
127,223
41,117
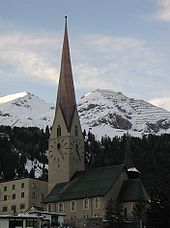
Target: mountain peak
103,111
12,97
24,109
104,93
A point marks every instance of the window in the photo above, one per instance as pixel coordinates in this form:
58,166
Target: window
73,205
58,131
33,195
5,188
15,223
4,209
22,206
22,194
22,185
97,203
42,196
60,207
86,204
13,187
13,208
5,197
76,131
49,207
13,196
33,185
32,223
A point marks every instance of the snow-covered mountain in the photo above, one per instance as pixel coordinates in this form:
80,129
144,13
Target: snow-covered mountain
101,111
106,111
25,110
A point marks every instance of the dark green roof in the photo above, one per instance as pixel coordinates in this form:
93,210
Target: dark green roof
133,191
90,183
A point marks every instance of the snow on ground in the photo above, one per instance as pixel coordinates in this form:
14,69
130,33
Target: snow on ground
109,131
36,165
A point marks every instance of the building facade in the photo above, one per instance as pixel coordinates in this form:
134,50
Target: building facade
88,193
18,195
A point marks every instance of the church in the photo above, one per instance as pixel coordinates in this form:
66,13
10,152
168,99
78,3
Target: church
73,190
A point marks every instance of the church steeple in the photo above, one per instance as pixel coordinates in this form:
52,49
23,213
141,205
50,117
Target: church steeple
66,142
66,95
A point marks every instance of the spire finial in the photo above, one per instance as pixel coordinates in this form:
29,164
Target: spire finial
66,18
65,21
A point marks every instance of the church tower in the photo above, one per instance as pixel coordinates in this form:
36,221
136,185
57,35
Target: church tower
66,143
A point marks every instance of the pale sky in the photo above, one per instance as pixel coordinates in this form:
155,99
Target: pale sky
122,45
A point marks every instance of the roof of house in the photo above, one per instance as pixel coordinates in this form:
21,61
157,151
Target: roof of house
91,183
133,191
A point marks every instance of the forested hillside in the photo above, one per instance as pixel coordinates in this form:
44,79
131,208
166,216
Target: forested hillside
23,151
151,155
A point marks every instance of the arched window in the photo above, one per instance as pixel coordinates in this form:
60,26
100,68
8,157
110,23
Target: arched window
73,205
97,203
60,207
86,204
58,131
49,207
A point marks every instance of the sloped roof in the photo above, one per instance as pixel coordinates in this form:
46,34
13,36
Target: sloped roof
91,183
133,191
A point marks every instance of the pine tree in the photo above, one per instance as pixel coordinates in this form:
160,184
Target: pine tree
32,173
138,213
114,212
158,214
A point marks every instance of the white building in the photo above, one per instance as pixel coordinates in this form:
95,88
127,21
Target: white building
20,221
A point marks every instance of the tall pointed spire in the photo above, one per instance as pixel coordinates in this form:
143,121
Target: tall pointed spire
66,95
